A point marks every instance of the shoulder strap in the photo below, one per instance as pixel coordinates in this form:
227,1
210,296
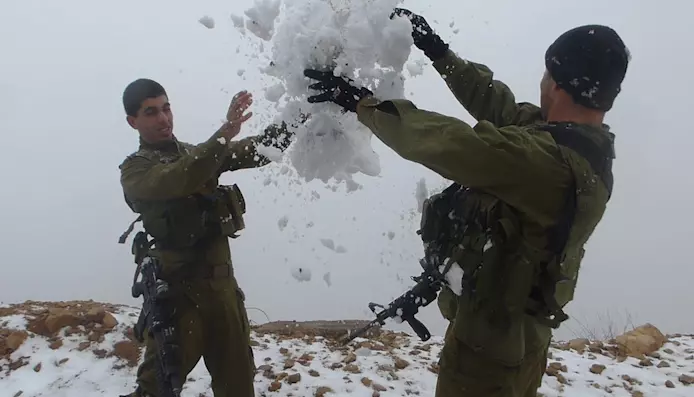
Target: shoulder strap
600,160
598,156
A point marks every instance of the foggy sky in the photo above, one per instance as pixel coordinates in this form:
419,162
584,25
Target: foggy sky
65,64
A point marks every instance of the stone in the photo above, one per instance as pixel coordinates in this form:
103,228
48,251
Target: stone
597,368
640,341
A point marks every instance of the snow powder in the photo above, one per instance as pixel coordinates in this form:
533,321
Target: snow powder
356,38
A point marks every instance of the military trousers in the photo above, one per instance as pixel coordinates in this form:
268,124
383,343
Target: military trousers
466,373
212,324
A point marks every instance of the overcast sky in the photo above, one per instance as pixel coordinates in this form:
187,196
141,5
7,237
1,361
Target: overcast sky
65,64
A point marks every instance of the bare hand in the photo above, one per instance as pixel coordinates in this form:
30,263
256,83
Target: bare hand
235,115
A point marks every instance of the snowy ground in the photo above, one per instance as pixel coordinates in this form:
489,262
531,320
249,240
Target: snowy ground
70,349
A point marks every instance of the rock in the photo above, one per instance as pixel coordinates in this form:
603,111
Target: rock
351,357
669,384
378,387
59,318
323,390
579,344
83,346
101,353
288,363
63,360
128,351
597,368
274,386
401,363
293,378
37,367
96,314
56,344
663,364
305,359
554,368
335,365
15,339
314,373
668,351
686,379
284,350
109,321
646,362
636,393
352,368
640,341
366,382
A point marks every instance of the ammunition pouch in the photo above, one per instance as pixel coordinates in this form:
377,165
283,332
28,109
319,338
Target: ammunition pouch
191,221
482,235
231,208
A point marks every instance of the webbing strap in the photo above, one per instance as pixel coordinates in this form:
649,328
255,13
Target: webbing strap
600,160
599,157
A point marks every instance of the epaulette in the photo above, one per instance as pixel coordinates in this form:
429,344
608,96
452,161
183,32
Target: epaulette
142,152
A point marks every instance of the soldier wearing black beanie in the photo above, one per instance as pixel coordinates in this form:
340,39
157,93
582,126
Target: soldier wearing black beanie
589,63
531,184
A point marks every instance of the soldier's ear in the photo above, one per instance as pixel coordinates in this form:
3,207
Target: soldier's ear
131,121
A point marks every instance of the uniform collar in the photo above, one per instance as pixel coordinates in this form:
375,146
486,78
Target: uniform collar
172,145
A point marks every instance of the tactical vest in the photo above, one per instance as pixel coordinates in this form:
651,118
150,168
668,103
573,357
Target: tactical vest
505,278
191,221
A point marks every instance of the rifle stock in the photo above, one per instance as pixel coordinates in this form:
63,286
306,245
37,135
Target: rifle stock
407,305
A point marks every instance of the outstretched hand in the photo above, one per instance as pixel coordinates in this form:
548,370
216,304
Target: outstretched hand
235,115
423,35
336,89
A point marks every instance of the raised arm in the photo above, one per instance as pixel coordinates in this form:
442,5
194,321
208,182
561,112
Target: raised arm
244,154
146,179
472,83
487,157
484,98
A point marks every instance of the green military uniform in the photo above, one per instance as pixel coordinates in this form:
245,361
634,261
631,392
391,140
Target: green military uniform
169,184
494,345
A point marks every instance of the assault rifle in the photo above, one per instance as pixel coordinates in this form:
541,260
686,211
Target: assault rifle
156,317
439,227
407,305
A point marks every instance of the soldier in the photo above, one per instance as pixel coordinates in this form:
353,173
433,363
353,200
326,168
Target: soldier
530,186
174,187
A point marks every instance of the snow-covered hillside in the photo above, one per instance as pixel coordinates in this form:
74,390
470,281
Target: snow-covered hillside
86,349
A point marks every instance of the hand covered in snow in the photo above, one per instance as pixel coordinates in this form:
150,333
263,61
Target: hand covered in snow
336,89
423,35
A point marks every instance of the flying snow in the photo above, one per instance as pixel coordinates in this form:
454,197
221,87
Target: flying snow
356,38
207,22
301,274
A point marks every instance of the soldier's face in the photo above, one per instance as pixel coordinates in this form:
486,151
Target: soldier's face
546,86
154,120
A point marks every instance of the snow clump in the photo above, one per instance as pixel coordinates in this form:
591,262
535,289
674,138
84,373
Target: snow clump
356,38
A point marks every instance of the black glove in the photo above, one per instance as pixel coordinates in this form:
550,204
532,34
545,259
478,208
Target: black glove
335,89
424,37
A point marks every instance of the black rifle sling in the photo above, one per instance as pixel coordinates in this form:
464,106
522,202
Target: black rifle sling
600,160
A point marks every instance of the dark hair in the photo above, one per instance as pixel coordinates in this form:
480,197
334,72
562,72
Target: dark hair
136,93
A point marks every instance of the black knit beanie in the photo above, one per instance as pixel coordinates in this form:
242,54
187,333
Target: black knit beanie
589,62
